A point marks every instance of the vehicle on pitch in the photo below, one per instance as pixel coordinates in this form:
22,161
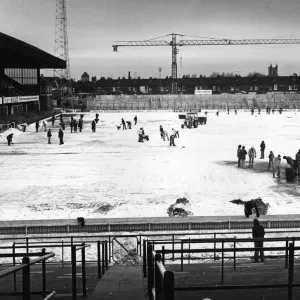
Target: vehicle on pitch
192,119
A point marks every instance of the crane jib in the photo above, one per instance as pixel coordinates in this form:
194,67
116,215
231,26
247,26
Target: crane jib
209,42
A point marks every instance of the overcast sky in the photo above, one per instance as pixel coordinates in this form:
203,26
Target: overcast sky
93,26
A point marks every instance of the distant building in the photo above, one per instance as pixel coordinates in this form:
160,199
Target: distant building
85,77
273,71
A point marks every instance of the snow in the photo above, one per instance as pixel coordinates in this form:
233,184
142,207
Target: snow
42,181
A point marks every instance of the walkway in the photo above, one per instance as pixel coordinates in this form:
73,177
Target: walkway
120,282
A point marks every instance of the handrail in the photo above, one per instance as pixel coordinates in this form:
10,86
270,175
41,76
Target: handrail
82,246
166,287
52,294
22,266
161,268
225,240
222,250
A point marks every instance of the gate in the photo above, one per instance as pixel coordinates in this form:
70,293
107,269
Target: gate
124,245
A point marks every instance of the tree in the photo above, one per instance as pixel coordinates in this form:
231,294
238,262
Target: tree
214,74
255,73
94,78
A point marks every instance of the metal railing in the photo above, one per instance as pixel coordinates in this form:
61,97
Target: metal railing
161,283
186,243
66,240
102,261
25,267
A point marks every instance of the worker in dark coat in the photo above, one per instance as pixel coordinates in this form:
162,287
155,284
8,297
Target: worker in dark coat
9,139
135,119
72,124
128,124
75,125
49,134
293,164
53,120
248,206
94,126
61,136
80,124
262,149
37,125
62,124
97,118
258,231
124,124
172,140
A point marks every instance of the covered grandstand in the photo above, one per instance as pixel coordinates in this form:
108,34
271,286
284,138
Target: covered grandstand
20,80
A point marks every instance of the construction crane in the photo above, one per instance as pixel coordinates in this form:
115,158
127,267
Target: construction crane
199,42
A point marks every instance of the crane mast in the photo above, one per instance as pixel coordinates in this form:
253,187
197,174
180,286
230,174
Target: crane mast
201,42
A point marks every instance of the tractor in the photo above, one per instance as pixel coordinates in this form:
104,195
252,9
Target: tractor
191,119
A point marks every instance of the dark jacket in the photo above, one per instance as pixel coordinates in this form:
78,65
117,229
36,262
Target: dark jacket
243,154
262,146
60,134
49,134
258,231
10,136
289,160
271,156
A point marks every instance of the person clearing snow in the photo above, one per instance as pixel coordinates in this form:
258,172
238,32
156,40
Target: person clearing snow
9,139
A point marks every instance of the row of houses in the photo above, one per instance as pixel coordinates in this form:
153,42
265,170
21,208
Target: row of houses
218,85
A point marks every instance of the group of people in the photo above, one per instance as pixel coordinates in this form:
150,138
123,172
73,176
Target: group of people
268,110
164,135
123,123
73,125
274,161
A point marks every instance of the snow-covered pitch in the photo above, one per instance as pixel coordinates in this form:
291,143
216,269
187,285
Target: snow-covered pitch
91,170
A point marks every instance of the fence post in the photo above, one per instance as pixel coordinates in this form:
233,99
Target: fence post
215,245
189,250
181,259
44,274
222,262
83,269
109,249
173,246
291,271
168,286
286,253
234,256
158,281
144,259
140,244
26,278
14,263
27,245
103,258
99,259
163,254
106,255
73,261
62,253
150,270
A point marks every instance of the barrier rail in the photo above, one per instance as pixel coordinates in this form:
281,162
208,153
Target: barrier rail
64,241
25,267
161,282
144,225
222,241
